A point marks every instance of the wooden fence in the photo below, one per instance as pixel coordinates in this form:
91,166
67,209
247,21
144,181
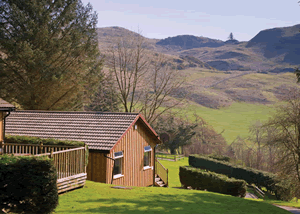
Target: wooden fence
69,161
168,156
33,149
162,172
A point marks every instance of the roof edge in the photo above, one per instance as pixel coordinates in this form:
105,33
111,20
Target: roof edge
139,116
77,112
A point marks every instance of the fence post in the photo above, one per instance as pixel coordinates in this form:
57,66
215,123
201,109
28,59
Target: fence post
51,152
40,148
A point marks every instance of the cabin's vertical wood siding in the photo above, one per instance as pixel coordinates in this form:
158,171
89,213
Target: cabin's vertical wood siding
1,127
132,145
96,168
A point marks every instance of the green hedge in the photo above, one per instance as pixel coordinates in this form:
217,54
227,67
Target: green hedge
28,184
220,157
198,179
251,176
36,140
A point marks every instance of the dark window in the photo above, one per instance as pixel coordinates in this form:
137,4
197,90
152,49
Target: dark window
118,163
118,166
147,155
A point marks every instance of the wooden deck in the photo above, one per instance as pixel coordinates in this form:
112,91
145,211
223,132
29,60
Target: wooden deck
69,162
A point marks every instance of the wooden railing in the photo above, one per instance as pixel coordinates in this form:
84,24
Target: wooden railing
168,156
161,171
68,162
257,190
33,149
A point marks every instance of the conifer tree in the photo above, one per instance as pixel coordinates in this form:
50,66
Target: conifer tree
48,53
231,36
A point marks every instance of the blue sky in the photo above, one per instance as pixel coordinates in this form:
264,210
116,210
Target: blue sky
209,18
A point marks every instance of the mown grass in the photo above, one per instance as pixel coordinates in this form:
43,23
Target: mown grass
101,198
174,181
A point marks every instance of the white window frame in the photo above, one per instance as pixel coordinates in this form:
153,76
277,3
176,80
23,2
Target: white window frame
148,149
119,156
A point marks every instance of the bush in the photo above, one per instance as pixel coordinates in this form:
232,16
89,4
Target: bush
37,140
257,177
28,184
285,190
220,157
198,179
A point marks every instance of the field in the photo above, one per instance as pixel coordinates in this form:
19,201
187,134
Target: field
101,198
234,120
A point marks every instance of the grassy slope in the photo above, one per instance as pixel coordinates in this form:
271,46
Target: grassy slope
235,119
101,198
174,181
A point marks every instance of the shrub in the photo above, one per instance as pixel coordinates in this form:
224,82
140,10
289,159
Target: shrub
219,157
285,190
198,179
36,140
28,184
257,177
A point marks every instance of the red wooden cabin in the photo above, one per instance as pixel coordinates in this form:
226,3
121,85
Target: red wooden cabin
121,145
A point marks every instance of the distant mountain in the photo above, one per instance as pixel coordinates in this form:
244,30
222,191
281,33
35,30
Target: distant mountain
219,73
188,42
284,41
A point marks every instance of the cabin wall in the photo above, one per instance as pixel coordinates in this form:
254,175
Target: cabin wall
1,127
96,168
132,145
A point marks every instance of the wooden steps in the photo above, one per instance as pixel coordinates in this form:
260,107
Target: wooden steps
159,182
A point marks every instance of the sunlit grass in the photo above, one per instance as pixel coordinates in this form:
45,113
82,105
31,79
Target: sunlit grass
234,120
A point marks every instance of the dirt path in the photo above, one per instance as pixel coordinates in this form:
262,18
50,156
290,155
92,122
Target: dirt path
290,209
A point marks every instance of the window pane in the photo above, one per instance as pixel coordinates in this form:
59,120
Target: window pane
117,154
118,166
146,158
147,149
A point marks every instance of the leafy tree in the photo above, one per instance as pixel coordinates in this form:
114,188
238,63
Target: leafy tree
48,53
105,98
179,130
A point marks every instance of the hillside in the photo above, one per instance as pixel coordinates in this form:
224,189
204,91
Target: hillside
283,42
220,73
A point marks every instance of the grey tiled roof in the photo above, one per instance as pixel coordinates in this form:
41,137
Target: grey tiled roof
4,104
100,131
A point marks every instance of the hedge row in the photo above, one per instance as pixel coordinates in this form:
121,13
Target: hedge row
36,140
27,184
198,179
257,177
220,157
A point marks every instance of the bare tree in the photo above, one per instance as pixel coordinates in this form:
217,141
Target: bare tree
144,81
286,135
257,136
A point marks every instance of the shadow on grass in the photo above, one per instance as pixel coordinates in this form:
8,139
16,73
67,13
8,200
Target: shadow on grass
192,202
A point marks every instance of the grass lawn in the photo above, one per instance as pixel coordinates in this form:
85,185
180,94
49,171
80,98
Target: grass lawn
174,181
101,198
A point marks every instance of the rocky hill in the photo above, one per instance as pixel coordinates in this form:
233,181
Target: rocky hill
219,73
185,42
283,44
